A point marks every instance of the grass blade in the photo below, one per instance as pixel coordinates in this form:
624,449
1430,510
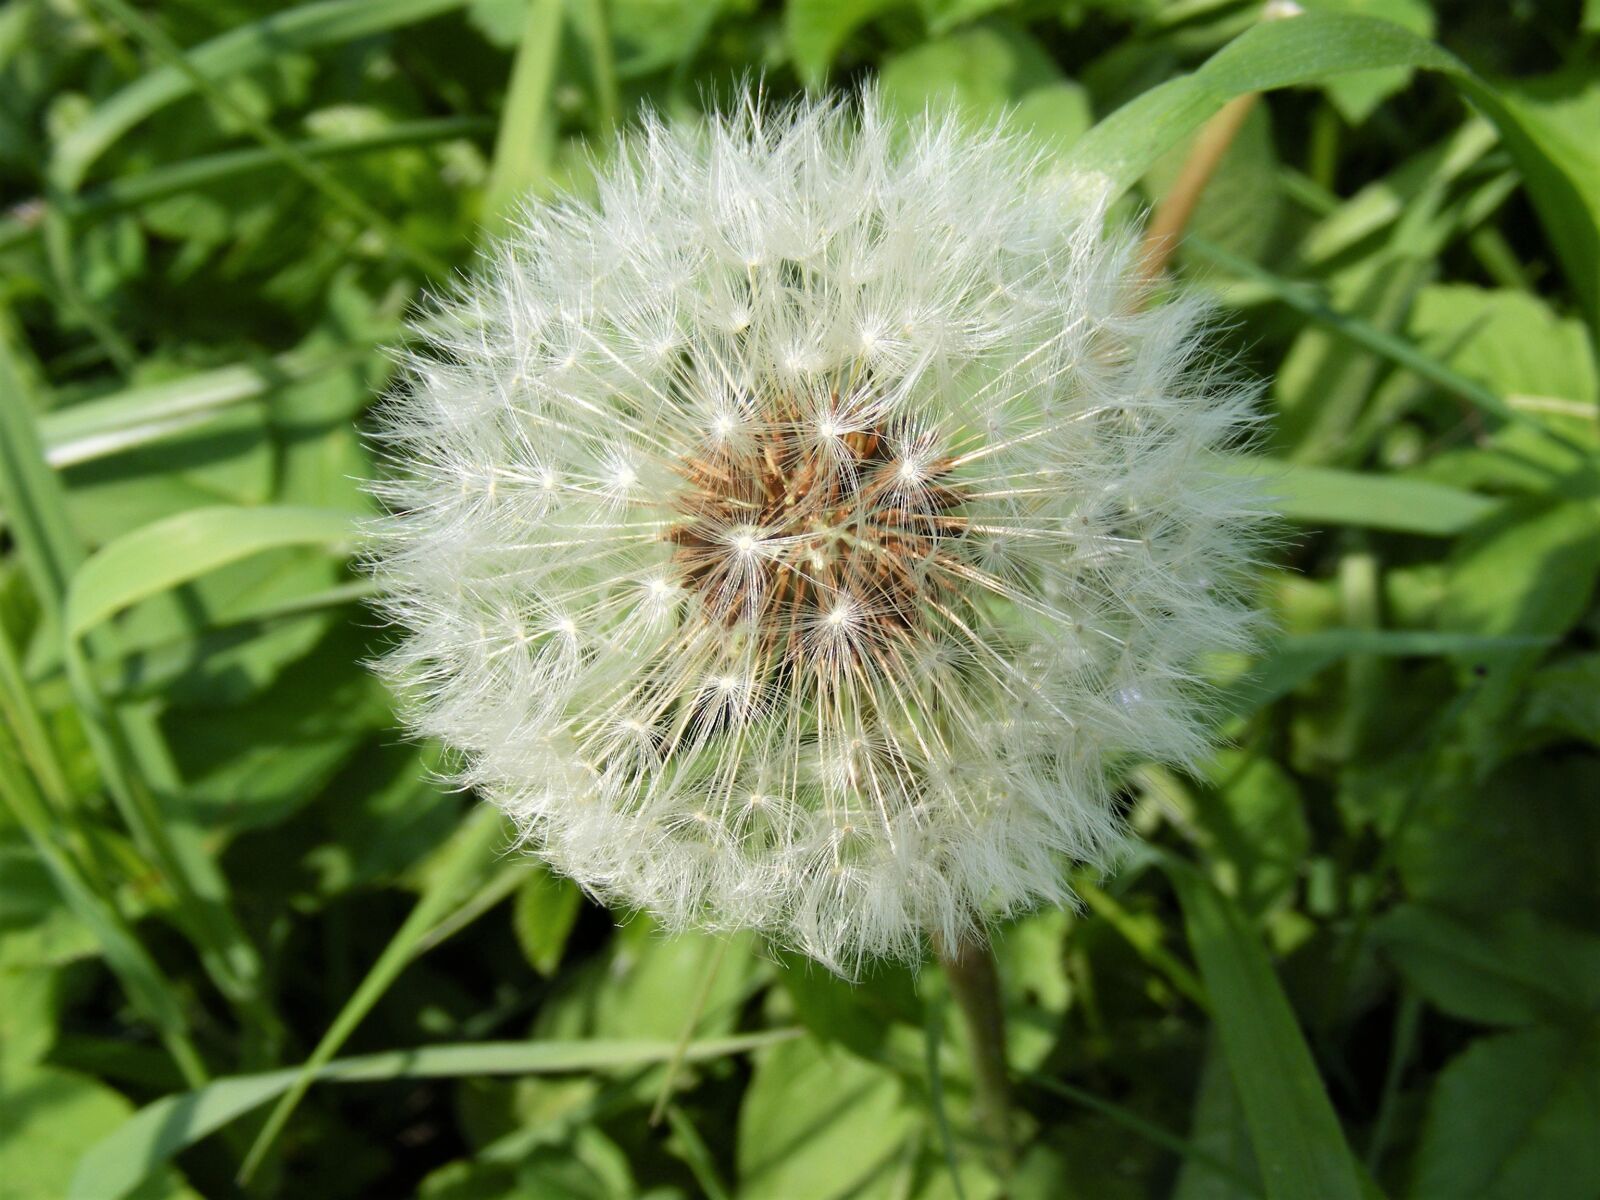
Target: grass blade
525,145
146,187
467,857
150,1138
1313,495
153,36
1297,1137
242,49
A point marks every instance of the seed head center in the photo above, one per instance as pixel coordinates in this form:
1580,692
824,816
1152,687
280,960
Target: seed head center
797,529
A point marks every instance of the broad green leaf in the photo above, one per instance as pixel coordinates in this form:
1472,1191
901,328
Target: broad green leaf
116,1164
1549,128
542,917
1319,496
1357,95
1514,969
240,49
978,73
816,29
254,764
1564,699
163,556
1514,1117
1545,140
1511,341
228,460
817,1121
1525,837
1530,573
28,1017
944,15
1295,1133
1254,819
48,1119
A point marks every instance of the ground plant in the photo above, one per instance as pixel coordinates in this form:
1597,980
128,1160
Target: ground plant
257,938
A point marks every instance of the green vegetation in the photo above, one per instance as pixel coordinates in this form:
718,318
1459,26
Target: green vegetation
1359,955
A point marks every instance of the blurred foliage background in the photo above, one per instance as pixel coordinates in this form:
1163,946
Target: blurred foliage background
1361,956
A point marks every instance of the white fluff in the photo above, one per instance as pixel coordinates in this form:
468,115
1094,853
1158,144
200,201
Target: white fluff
793,537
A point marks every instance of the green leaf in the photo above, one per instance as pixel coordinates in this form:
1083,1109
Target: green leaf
1220,1132
542,916
1321,388
1357,95
1297,657
1296,1135
817,1121
1511,341
1240,207
1514,1117
164,555
1527,836
459,863
1516,969
1546,139
978,73
1320,496
525,144
1310,48
1531,572
1549,128
815,29
48,1118
150,412
240,49
115,1165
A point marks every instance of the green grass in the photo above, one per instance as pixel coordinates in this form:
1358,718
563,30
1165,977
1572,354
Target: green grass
241,925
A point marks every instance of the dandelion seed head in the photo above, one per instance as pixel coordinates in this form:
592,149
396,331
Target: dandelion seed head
798,535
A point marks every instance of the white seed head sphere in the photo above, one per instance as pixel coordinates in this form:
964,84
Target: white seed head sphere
793,537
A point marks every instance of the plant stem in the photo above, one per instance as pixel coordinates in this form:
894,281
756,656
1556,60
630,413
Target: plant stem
974,980
1171,216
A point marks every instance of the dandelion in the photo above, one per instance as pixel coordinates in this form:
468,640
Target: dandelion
797,536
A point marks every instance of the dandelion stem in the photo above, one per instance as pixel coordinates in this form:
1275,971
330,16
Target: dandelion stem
974,979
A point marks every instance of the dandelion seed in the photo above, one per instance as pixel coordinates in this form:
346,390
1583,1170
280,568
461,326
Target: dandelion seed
848,518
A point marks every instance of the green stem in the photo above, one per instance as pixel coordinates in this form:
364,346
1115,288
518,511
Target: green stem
974,979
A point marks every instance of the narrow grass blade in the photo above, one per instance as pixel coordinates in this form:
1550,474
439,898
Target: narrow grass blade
525,145
152,994
153,1135
131,191
466,858
1297,1137
139,565
127,742
153,36
1148,1130
48,547
1311,495
242,49
1297,657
